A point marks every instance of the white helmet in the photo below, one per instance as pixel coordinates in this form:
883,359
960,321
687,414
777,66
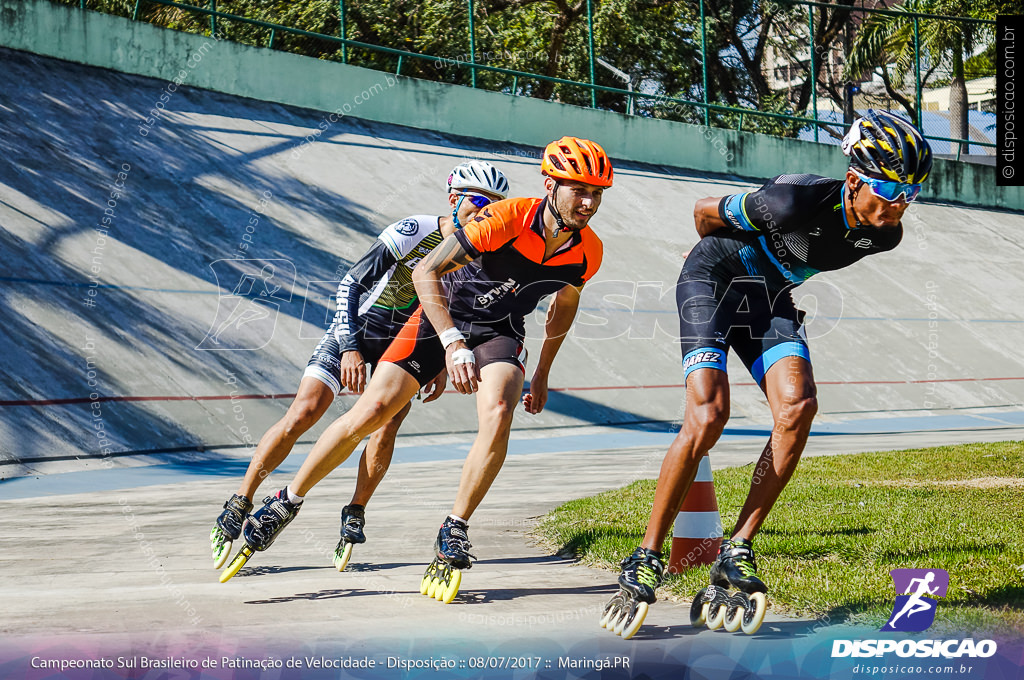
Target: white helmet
479,175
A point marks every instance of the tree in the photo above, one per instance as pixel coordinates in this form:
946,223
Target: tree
884,40
747,37
656,42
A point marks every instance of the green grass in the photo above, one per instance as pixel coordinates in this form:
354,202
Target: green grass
842,523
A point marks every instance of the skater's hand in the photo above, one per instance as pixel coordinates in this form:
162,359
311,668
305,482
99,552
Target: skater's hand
353,371
537,397
464,373
435,388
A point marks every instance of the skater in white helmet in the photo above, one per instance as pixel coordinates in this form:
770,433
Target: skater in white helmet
375,298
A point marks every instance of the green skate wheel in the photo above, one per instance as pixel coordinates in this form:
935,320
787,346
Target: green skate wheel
452,589
341,559
754,617
236,564
220,544
630,629
717,618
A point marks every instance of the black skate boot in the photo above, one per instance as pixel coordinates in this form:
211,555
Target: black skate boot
735,567
353,518
261,528
228,528
451,555
265,524
452,544
736,597
641,575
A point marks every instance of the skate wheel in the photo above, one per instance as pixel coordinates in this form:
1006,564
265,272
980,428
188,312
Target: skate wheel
428,576
699,609
452,589
442,584
734,618
618,622
220,544
432,588
221,556
216,537
611,610
637,620
236,564
754,617
341,559
716,619
625,616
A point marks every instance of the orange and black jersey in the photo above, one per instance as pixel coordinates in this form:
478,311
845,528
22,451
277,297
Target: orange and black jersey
508,275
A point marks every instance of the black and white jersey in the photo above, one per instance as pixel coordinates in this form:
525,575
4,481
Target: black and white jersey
377,296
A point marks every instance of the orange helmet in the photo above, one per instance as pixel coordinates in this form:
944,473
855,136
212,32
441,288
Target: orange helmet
578,160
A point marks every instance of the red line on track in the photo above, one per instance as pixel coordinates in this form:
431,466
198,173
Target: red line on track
224,397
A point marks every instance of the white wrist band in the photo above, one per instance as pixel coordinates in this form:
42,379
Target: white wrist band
451,335
463,356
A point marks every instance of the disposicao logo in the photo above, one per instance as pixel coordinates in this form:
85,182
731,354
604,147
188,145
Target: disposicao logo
913,610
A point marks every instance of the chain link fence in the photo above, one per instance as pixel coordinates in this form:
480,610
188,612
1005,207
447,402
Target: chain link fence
792,68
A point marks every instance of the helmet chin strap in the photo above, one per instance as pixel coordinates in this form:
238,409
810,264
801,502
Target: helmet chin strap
856,217
554,211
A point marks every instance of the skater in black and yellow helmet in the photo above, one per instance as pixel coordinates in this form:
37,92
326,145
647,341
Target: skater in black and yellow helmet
734,292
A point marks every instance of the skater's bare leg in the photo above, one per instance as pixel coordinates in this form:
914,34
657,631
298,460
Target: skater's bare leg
376,459
501,386
389,391
789,385
310,403
707,411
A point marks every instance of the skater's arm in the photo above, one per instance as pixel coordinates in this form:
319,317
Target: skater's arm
706,216
362,277
561,314
774,208
447,257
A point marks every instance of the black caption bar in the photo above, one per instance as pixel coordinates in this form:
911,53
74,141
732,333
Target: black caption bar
1009,100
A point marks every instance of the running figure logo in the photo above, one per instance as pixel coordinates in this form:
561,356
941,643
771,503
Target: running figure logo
913,610
246,318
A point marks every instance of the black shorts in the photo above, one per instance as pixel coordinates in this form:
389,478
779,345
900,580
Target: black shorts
418,351
717,313
325,364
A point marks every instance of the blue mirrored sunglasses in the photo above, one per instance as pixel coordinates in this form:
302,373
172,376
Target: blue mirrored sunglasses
478,200
891,191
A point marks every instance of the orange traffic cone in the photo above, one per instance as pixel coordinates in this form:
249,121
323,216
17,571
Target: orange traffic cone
698,527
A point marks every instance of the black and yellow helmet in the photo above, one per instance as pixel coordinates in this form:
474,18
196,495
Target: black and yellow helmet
888,147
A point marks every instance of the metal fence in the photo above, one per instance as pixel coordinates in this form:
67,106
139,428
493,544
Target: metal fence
801,83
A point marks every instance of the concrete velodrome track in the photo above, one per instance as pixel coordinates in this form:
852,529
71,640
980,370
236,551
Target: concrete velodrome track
141,361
